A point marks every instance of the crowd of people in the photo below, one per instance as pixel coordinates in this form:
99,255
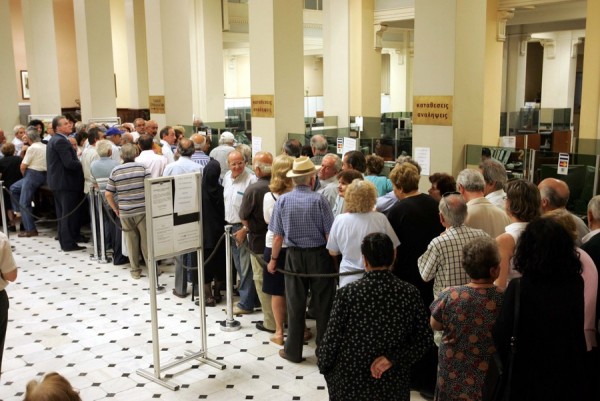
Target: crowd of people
427,282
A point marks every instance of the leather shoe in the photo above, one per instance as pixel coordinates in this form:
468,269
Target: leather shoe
83,238
32,233
284,356
75,248
261,326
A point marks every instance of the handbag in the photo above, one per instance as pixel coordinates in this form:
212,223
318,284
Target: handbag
498,377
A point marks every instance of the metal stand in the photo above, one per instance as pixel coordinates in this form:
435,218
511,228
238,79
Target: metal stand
229,324
154,374
92,196
100,200
3,209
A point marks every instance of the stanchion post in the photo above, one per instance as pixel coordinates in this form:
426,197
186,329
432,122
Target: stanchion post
230,324
102,258
3,209
92,196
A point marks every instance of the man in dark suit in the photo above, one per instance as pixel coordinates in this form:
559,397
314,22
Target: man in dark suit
65,179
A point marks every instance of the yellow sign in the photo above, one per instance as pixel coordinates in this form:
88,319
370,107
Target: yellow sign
263,105
432,110
157,104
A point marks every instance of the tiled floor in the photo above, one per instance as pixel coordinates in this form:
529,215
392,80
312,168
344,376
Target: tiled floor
91,323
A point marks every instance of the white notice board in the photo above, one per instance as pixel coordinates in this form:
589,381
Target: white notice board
173,215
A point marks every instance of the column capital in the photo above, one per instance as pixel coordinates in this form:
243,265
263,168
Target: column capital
523,41
379,30
549,46
575,42
502,16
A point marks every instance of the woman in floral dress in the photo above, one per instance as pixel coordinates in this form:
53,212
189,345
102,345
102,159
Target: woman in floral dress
466,315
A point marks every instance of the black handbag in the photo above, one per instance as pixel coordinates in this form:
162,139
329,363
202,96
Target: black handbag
498,377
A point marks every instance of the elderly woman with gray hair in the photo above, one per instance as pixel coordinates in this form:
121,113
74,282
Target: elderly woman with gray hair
351,227
466,314
33,168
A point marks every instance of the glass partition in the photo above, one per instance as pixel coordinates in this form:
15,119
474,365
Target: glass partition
516,161
535,166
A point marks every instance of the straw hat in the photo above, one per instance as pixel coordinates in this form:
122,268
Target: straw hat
302,166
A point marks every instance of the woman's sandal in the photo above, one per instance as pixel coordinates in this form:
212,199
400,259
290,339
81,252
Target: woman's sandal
210,301
307,334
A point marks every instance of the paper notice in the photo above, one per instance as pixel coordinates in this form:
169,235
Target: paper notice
349,145
186,194
563,164
256,145
423,157
162,234
186,236
162,198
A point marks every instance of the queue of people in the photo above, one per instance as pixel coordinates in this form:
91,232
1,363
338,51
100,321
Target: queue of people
428,282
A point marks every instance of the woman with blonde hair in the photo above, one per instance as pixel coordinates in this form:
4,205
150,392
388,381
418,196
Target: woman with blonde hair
53,387
357,221
274,284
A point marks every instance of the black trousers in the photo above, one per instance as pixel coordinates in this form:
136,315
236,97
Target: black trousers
311,261
68,228
3,322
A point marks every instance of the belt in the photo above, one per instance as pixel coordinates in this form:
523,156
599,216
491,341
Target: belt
318,248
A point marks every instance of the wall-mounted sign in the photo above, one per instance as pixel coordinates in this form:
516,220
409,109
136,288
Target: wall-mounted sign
263,105
432,110
157,104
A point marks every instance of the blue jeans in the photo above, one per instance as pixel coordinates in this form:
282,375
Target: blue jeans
241,260
24,190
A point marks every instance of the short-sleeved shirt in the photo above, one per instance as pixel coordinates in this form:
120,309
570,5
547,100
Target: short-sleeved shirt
233,193
100,170
201,158
35,157
127,181
7,262
302,217
443,258
184,165
155,164
346,235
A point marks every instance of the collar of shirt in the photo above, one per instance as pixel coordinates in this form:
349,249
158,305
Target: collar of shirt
589,235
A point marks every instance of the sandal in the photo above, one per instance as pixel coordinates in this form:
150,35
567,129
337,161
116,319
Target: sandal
218,298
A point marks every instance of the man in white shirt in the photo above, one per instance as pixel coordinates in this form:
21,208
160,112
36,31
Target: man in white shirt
235,183
183,165
494,175
221,152
114,135
33,168
331,165
155,164
167,138
483,214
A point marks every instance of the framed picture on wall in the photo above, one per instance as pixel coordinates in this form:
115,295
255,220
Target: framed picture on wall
25,84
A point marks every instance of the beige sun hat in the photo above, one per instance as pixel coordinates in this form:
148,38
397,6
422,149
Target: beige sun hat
302,166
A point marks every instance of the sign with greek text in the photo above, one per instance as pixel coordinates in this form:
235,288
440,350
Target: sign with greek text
432,110
157,104
263,105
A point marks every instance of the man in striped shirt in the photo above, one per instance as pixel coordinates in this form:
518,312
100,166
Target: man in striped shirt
200,145
127,183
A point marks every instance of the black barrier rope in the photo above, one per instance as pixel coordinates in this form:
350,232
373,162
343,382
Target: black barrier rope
109,214
263,263
23,208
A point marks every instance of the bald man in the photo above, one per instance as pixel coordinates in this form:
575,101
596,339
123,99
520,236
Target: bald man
555,195
200,145
251,214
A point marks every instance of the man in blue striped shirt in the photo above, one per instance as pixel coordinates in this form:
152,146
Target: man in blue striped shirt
127,182
302,220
